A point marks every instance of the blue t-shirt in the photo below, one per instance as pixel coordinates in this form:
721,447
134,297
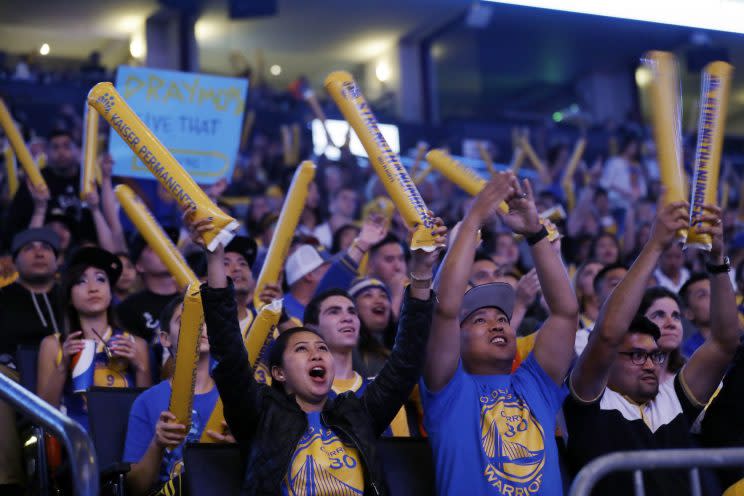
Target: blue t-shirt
144,415
323,465
495,434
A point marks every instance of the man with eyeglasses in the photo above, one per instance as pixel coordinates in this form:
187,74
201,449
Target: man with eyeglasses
617,402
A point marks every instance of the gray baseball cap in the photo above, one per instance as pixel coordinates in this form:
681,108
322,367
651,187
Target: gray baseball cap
496,294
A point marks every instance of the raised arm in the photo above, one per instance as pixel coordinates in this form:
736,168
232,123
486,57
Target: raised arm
40,197
109,205
443,348
705,369
103,231
238,390
589,377
386,394
554,347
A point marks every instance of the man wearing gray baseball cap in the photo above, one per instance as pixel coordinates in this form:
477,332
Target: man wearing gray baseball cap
491,430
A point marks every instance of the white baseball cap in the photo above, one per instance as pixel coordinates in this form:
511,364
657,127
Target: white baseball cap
301,262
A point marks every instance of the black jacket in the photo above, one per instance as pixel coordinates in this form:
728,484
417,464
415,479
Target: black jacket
268,424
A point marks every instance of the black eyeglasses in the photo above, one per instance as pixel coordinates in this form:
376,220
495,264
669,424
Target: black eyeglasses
639,357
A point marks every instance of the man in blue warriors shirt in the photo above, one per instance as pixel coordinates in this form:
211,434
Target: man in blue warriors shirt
493,432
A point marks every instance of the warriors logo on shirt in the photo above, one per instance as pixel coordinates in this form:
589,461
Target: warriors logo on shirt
513,442
322,464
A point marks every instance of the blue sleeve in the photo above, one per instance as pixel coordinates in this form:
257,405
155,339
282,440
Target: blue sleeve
140,431
438,406
339,276
536,385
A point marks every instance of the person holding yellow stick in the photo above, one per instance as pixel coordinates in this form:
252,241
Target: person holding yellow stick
155,441
166,169
62,179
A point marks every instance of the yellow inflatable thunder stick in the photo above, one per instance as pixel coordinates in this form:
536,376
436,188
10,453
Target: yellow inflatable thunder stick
294,203
347,95
666,114
529,152
470,181
714,96
421,148
486,157
214,423
154,235
90,152
312,99
568,176
260,335
41,160
19,147
422,174
11,170
109,103
184,376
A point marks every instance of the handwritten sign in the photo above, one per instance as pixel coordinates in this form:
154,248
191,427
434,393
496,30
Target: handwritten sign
197,116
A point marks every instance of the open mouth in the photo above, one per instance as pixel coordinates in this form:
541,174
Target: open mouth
499,340
318,374
347,330
379,310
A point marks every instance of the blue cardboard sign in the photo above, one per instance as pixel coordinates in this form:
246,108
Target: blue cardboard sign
198,117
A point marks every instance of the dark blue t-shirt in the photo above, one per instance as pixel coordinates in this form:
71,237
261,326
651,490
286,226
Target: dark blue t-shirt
144,415
495,434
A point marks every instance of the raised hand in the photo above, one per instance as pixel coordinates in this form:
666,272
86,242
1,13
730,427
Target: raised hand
39,195
373,231
196,228
712,224
168,435
522,217
422,262
527,288
486,203
225,438
669,219
270,292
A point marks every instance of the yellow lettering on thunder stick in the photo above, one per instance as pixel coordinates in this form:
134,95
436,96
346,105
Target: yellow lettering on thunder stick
184,376
107,101
355,109
666,114
153,234
19,147
294,203
90,152
714,96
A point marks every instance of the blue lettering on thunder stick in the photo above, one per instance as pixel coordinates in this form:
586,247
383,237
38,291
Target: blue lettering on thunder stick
704,149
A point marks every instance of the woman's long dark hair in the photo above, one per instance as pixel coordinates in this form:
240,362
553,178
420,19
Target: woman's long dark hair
675,361
70,278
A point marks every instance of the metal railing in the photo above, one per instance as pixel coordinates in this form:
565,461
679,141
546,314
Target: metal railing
77,443
640,461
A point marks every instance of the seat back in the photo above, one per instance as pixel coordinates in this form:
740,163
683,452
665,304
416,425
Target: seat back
212,468
407,465
108,416
27,360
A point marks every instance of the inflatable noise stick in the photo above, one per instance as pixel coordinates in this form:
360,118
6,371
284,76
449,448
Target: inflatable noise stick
517,161
421,148
469,180
573,163
714,96
166,169
486,157
250,119
294,203
401,189
19,147
531,155
184,376
312,99
666,115
155,236
90,152
422,174
11,170
260,335
214,423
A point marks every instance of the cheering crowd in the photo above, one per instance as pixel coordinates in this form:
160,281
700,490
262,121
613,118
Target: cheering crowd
519,356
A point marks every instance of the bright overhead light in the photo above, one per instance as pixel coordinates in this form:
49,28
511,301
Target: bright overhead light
44,50
275,70
718,15
382,71
137,47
